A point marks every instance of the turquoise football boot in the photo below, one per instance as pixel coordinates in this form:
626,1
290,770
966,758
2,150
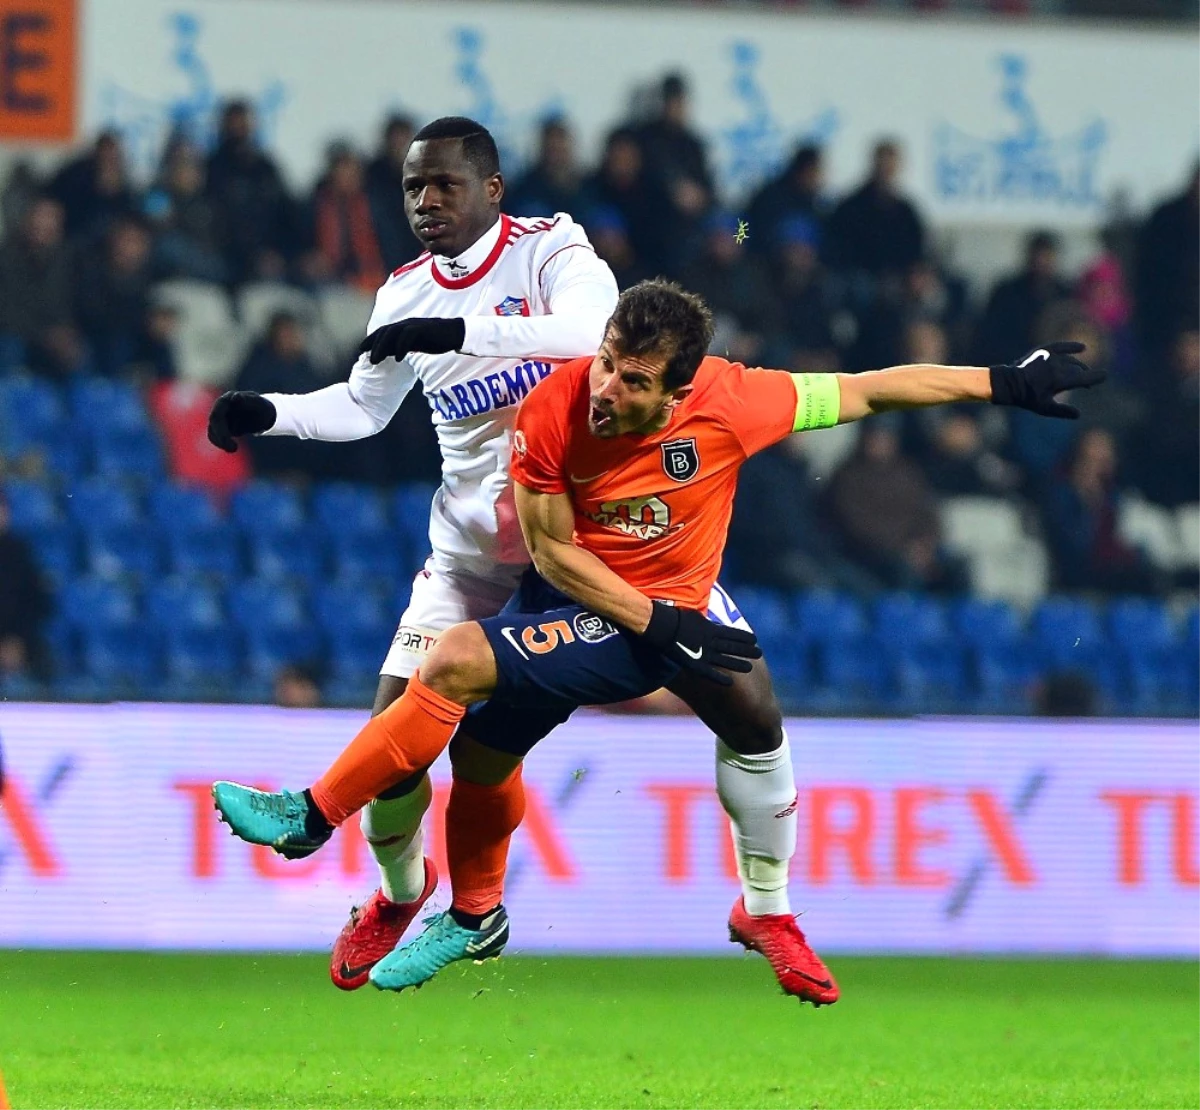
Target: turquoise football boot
443,942
276,820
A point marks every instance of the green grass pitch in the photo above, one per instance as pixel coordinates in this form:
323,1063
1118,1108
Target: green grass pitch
136,1030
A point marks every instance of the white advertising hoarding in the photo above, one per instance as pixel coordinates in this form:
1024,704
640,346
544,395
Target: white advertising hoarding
1003,121
915,836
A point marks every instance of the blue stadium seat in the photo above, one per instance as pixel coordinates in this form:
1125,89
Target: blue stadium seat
29,407
181,603
257,602
342,508
351,607
62,642
96,503
176,508
354,659
287,555
1005,675
903,620
68,455
411,508
200,658
127,661
1139,625
1164,683
267,507
1061,626
769,612
382,555
823,615
104,402
136,455
1191,629
931,678
269,649
215,550
856,670
979,622
57,549
95,603
31,505
124,552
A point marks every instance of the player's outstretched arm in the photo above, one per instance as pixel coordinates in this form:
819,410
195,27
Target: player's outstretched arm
688,638
1033,383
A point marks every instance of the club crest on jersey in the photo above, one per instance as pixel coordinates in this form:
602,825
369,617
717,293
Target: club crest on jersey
513,306
592,629
681,460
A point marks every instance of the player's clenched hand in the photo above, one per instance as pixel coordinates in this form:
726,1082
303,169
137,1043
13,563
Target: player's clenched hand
433,336
698,644
1040,376
238,414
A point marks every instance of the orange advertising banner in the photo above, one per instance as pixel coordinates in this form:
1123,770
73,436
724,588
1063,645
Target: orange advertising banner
38,70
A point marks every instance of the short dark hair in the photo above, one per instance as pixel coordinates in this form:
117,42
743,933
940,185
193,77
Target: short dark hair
479,148
659,318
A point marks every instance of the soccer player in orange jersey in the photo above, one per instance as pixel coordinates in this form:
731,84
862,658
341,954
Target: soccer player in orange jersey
625,468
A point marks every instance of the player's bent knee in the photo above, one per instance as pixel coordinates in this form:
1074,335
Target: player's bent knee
481,765
461,665
757,732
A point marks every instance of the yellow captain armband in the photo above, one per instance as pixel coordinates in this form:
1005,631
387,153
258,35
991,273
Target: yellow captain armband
818,401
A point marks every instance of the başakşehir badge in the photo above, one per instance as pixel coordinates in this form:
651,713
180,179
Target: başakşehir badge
681,460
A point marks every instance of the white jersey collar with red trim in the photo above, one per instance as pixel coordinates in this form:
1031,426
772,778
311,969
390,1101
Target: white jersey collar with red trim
476,260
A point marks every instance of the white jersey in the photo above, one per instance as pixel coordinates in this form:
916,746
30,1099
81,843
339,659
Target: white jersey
533,293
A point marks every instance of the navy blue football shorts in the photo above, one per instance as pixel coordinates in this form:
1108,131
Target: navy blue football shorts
553,655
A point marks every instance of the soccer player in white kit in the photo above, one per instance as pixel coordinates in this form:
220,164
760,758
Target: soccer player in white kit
479,320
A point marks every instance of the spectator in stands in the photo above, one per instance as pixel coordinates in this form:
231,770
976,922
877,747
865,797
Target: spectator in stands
554,183
954,445
1010,321
676,158
94,189
385,187
296,688
21,188
1103,294
24,605
36,310
1080,519
281,363
777,537
346,245
1065,694
1168,269
187,237
886,513
732,282
609,235
112,293
1165,459
807,303
876,231
257,217
622,183
796,192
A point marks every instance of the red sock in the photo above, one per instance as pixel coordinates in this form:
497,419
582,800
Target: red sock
407,736
480,821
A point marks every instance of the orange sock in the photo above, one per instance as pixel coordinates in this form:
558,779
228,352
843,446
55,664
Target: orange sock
480,821
406,737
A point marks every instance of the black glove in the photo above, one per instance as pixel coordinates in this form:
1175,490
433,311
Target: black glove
238,414
433,336
698,644
1033,382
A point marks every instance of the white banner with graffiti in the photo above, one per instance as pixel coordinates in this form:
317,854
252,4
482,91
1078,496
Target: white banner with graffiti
915,836
1001,120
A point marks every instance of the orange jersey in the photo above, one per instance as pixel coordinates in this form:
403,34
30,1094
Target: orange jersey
655,508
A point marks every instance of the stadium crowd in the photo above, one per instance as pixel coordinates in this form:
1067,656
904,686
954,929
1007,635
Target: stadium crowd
797,278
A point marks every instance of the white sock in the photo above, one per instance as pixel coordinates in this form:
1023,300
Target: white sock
759,794
392,827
